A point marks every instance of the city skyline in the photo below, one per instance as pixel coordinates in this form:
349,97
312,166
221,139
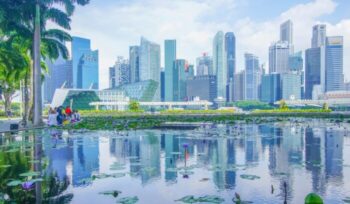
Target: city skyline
194,29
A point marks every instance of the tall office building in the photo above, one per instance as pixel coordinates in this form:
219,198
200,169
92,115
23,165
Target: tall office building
59,74
312,70
204,65
121,72
220,63
286,32
334,64
150,63
112,79
296,62
134,61
180,78
239,86
88,72
252,77
271,88
162,85
315,64
85,64
230,47
319,33
290,85
170,57
278,57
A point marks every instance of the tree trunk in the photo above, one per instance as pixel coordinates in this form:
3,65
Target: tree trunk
8,100
37,103
26,101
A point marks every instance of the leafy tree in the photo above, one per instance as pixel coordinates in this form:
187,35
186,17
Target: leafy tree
26,20
283,105
325,107
134,106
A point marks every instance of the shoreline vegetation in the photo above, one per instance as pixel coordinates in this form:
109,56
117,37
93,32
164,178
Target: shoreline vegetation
132,120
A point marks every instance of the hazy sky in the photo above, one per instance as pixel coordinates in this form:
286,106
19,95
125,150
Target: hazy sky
114,25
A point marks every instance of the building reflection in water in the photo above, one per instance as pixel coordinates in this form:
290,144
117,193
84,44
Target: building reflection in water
318,150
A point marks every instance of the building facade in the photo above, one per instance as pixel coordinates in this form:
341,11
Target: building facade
290,85
203,87
169,61
134,61
239,86
220,63
230,47
334,64
252,77
270,88
312,70
59,74
204,65
85,64
150,63
319,34
278,57
122,72
286,34
88,73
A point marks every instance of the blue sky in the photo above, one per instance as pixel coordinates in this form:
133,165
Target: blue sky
113,25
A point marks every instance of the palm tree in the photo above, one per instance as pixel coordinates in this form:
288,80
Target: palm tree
28,19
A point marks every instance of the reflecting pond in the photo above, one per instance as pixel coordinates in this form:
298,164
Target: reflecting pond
278,162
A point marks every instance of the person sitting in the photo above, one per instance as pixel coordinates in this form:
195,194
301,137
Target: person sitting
75,116
60,116
68,111
52,118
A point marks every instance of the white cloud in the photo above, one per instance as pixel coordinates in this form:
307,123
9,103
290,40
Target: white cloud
193,23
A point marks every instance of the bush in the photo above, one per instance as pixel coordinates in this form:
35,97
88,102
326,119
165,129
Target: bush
134,106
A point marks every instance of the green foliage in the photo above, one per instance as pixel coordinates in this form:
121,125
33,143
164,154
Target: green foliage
251,105
293,111
185,112
134,106
283,105
313,198
325,106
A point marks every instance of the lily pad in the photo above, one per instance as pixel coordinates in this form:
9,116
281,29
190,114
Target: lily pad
346,200
128,200
211,199
30,174
112,193
187,199
249,177
14,183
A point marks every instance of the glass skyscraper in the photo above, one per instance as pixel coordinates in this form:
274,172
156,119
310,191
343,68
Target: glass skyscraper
180,79
59,74
85,64
134,60
230,47
252,77
334,64
319,33
271,88
312,70
170,57
278,57
220,63
150,63
290,85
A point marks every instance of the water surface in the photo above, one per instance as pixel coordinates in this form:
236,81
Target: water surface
263,163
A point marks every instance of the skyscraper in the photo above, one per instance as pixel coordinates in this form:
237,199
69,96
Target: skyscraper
315,63
88,72
150,63
180,78
112,80
134,61
239,86
318,36
204,65
286,32
295,62
271,88
278,57
334,64
202,86
170,57
59,74
290,85
85,64
312,70
252,77
220,64
122,72
230,47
